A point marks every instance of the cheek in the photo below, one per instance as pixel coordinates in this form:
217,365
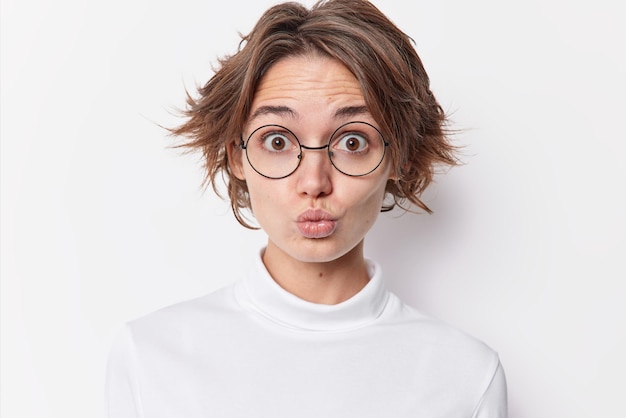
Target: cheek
369,199
256,197
265,197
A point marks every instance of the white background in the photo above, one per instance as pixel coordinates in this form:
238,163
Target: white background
102,222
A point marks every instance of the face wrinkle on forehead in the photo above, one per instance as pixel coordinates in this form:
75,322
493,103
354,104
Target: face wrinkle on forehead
299,81
323,83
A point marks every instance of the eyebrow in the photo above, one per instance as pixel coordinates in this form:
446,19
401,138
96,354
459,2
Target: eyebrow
285,111
273,110
351,111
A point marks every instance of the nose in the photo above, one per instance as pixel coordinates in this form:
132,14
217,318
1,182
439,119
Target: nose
314,172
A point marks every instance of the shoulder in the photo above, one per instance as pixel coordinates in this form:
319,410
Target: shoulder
453,360
443,341
186,317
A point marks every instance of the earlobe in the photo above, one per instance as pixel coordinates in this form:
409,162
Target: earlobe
235,160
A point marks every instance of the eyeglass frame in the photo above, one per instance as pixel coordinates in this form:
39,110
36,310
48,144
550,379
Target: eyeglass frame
244,146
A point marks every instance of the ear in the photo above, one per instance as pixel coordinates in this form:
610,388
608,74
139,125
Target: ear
235,160
394,174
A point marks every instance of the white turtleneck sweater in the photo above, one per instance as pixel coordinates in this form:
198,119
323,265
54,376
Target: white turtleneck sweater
254,350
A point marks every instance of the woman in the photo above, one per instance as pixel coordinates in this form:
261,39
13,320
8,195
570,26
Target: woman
319,116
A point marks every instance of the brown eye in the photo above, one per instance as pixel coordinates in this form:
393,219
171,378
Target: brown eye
352,143
275,142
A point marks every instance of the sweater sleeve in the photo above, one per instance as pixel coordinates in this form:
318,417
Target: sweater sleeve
493,403
122,385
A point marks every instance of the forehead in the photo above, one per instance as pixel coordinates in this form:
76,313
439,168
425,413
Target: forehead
311,86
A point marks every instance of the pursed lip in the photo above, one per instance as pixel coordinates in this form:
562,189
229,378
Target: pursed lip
316,223
315,215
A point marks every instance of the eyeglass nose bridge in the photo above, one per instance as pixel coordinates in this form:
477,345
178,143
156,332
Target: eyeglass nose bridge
304,147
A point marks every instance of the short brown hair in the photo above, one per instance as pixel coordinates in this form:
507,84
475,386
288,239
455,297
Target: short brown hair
394,84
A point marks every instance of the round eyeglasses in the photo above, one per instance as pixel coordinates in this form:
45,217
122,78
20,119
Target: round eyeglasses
355,149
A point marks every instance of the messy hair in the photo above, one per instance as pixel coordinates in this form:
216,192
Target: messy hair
393,81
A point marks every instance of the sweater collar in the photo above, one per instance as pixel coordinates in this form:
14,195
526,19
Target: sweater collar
259,292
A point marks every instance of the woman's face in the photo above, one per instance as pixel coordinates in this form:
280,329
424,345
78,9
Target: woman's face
317,214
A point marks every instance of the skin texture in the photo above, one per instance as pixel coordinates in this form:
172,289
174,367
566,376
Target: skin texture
312,96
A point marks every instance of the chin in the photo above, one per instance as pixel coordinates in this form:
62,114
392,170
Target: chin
320,250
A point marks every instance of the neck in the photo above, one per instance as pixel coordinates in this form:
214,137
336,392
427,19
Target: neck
326,283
